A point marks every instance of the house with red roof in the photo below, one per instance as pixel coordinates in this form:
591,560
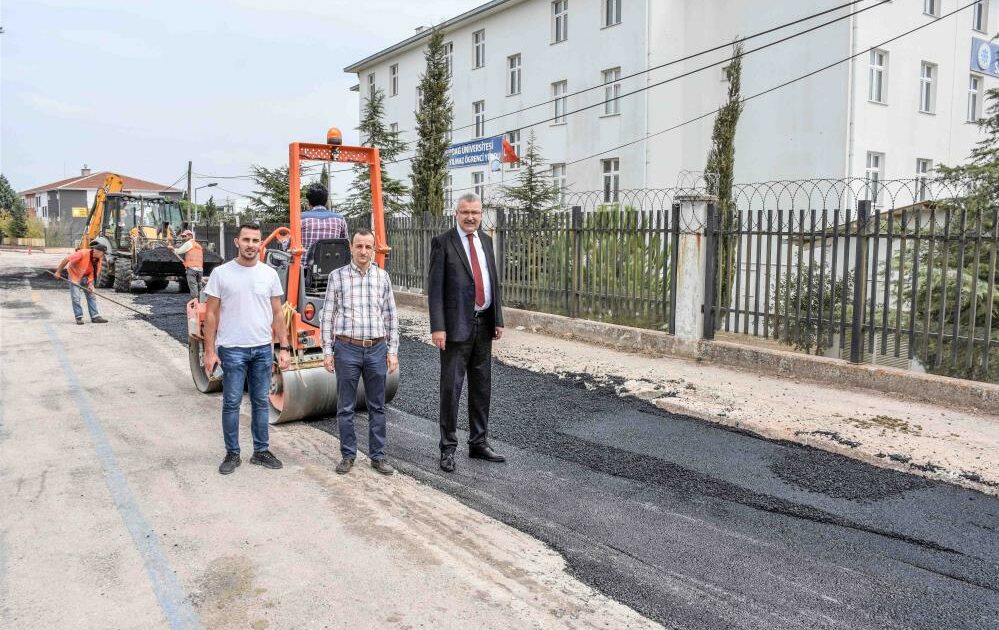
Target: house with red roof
55,201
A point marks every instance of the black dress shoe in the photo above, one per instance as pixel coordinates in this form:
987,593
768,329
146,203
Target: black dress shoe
447,462
485,452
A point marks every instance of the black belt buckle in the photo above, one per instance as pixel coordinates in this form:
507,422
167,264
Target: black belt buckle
479,314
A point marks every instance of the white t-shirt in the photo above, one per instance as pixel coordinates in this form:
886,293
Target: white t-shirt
245,316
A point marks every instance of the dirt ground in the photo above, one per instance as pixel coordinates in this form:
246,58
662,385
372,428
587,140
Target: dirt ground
938,442
114,515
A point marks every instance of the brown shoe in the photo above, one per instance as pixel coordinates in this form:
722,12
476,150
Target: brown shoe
99,320
382,466
345,465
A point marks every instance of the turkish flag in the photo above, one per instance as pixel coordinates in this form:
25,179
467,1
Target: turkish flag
509,155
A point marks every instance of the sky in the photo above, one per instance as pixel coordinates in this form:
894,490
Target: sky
140,87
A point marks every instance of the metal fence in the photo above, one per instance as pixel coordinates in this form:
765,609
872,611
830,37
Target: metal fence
892,273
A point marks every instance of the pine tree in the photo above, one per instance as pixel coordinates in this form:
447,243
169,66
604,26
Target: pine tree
14,207
534,191
942,262
324,180
433,122
374,133
720,174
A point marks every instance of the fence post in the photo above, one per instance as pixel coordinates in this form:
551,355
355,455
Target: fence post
859,282
694,277
577,259
222,239
674,254
499,248
425,238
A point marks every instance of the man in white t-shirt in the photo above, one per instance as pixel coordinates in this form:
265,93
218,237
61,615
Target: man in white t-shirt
244,306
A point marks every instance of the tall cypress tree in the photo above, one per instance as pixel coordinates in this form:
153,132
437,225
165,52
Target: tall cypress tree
720,174
324,180
433,121
374,133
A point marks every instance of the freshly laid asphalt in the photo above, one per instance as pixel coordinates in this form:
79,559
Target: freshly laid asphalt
697,525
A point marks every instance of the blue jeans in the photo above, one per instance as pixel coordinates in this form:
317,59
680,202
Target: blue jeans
240,365
74,297
351,363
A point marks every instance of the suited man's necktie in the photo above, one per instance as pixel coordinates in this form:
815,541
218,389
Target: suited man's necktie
480,289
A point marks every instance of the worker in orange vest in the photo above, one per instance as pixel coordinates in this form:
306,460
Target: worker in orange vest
194,261
83,266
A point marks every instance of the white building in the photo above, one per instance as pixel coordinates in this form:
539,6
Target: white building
892,113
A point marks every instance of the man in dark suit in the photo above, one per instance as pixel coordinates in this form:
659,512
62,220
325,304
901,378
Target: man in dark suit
465,316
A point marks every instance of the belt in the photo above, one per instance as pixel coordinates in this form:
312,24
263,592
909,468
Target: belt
364,343
478,314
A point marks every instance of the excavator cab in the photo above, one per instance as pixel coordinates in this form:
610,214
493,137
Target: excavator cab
140,228
306,389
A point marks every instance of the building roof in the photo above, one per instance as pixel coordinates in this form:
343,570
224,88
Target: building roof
95,181
480,11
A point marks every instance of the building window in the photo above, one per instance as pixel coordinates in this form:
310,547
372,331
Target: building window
927,88
559,91
612,12
513,138
513,66
873,175
560,20
980,16
449,191
478,184
479,107
449,58
923,168
479,48
558,179
612,91
611,170
394,80
974,98
394,127
932,7
371,85
878,76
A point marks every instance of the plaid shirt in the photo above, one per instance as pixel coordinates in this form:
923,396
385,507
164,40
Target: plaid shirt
360,306
316,228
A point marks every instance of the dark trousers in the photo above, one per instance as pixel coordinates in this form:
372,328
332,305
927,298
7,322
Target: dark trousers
353,363
472,357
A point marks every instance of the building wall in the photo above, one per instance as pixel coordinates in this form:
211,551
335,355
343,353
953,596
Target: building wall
819,127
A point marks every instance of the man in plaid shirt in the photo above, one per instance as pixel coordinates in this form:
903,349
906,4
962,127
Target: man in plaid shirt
318,222
360,331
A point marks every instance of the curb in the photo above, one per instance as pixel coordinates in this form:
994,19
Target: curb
902,384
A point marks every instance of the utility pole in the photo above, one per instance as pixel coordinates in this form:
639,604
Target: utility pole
189,180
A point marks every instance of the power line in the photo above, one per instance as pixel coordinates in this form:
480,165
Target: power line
671,79
758,94
641,72
700,54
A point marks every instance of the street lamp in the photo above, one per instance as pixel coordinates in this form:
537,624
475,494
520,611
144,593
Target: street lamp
196,198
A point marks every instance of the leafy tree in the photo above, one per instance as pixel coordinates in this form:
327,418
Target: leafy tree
433,123
270,199
324,179
14,207
534,191
799,305
374,133
938,301
720,174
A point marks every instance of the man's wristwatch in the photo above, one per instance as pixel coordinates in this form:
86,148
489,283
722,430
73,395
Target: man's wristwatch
285,348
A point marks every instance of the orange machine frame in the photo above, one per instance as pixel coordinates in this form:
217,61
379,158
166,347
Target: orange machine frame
297,152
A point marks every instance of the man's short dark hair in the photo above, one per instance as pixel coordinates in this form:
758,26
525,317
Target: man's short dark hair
249,225
317,194
361,232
